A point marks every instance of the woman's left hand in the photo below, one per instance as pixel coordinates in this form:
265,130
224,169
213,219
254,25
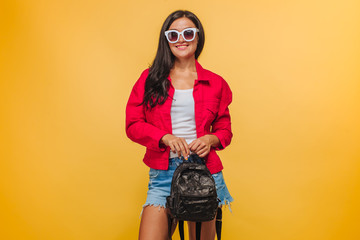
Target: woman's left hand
202,145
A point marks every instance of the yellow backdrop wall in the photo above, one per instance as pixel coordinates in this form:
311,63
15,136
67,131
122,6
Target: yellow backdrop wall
68,171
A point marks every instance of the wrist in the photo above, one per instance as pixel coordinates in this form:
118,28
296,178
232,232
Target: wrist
214,140
163,139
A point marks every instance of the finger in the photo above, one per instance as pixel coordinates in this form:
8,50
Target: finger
204,153
191,144
198,151
182,149
203,150
186,148
172,148
200,147
178,148
195,145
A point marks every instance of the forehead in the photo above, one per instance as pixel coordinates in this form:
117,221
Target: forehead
181,23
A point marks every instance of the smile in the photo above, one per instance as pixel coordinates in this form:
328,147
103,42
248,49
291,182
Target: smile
181,46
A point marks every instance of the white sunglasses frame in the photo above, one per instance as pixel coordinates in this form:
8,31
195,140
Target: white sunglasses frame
195,30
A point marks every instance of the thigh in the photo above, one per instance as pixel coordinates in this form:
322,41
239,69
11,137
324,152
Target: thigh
208,230
154,223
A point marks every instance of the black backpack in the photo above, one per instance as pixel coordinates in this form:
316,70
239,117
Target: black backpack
193,196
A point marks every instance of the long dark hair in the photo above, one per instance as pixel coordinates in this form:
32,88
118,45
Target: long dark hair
157,84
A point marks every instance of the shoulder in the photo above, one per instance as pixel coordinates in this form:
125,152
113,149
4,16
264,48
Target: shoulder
142,79
144,75
217,86
216,80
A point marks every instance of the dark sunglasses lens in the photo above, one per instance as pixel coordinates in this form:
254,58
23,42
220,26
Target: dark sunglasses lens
188,34
173,36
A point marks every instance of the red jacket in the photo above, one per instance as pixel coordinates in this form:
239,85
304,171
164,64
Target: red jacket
212,97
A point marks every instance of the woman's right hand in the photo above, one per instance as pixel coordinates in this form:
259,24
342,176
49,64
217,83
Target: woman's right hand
177,145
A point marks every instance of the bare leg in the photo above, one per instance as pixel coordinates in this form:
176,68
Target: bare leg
154,224
208,230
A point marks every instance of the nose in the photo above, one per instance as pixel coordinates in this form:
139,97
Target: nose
181,39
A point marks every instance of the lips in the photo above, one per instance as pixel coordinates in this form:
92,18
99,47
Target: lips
182,46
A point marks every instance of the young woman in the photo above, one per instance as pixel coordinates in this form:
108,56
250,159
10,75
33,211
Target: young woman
176,108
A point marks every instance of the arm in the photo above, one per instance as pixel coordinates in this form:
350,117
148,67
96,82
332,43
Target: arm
222,125
221,134
137,128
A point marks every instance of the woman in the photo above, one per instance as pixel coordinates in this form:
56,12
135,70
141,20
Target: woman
176,108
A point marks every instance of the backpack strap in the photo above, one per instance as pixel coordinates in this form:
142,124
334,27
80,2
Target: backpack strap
218,223
218,226
170,220
181,229
198,230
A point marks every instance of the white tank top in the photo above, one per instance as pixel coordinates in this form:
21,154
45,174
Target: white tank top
183,116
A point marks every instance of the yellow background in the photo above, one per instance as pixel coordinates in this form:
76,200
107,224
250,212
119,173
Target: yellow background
67,67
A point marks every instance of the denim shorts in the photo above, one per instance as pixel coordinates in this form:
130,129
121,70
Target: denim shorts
160,185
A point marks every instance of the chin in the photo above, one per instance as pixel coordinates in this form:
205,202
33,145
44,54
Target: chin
183,55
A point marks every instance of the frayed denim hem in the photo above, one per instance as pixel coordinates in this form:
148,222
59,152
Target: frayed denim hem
226,203
153,205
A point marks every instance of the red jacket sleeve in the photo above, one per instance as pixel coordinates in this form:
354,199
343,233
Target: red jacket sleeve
222,125
137,128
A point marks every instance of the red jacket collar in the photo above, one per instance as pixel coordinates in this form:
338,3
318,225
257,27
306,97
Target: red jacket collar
201,72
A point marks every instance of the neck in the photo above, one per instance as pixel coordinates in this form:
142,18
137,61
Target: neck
185,64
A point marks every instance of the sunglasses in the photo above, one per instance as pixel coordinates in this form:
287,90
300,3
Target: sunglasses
188,35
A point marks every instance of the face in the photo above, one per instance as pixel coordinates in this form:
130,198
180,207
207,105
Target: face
183,49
